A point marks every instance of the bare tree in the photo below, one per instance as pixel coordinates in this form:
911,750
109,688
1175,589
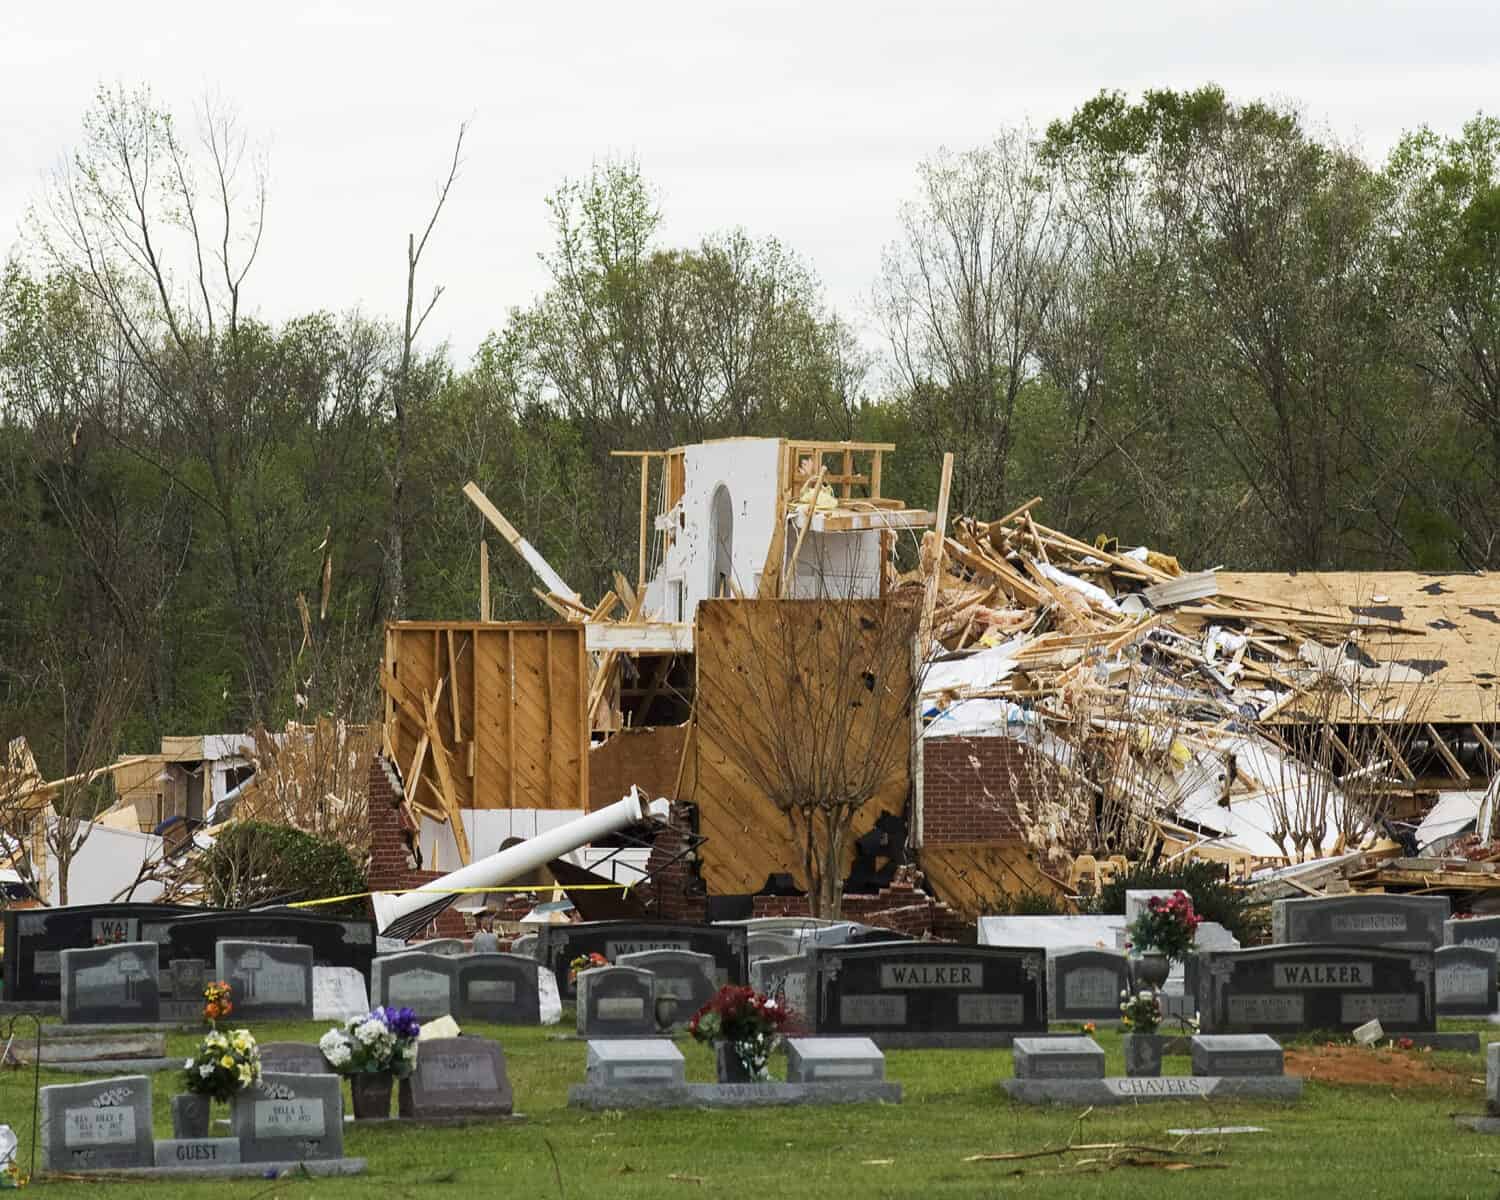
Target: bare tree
819,717
314,778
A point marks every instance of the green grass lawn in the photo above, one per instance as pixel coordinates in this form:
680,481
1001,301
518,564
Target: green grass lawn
1338,1141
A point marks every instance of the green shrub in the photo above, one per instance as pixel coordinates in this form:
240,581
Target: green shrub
252,863
1214,897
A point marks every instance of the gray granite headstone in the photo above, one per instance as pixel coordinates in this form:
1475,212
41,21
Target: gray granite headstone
189,977
197,1152
339,993
792,980
503,988
462,1076
293,1058
634,1062
1372,919
1085,985
1465,981
1473,931
116,984
267,981
687,977
1058,1058
525,944
448,946
1236,1054
289,1118
1492,1078
615,1002
833,1060
416,980
95,1126
773,944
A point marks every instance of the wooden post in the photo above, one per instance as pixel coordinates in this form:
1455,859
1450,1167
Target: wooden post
640,573
929,598
484,580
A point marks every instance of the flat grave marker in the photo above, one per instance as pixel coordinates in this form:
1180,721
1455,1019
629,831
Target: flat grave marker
833,1060
1236,1054
1058,1058
634,1062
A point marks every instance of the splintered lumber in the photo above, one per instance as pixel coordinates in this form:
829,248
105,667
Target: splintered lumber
449,796
520,545
935,568
484,580
790,581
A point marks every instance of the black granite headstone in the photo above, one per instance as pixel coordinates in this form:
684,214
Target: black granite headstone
921,993
1312,986
559,945
1085,985
497,987
35,936
1370,919
1465,981
336,942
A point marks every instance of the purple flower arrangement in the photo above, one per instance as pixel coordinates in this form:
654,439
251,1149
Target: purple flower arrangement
383,1040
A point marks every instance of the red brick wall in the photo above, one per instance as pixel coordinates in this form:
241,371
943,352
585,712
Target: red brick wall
648,758
970,789
391,865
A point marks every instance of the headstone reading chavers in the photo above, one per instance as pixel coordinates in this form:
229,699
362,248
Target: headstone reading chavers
1294,988
1371,919
111,985
559,945
293,1058
616,1002
926,994
416,980
1465,981
1085,985
460,1076
289,1118
681,974
96,1126
269,981
502,988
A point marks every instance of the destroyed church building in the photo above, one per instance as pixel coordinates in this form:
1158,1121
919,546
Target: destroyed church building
1057,689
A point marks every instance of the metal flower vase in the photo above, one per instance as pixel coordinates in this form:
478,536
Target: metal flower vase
190,1115
1143,1053
371,1092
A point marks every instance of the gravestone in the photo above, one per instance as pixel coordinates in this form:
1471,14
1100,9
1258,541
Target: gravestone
416,980
459,1076
687,977
267,981
616,1002
197,1152
189,977
634,1062
1372,919
772,944
502,988
1236,1054
1301,987
833,1060
293,1058
525,944
1473,931
1085,985
449,946
339,993
289,1118
792,980
336,942
1492,1078
1465,981
930,994
34,938
96,1126
116,984
1097,932
1058,1058
559,945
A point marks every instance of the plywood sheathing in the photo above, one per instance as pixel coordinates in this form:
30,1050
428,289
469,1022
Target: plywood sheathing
971,877
517,736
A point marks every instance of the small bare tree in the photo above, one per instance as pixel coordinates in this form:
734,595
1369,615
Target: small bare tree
314,778
819,715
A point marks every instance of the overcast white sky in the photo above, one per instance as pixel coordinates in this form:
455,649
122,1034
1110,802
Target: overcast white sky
802,121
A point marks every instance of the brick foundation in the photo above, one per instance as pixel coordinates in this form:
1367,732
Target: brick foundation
973,789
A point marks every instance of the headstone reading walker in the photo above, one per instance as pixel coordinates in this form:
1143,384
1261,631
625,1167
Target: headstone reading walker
460,1076
269,981
927,994
116,984
96,1126
289,1118
616,1002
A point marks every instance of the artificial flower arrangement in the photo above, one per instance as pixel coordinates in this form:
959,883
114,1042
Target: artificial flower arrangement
585,962
216,1002
225,1063
748,1021
1166,925
385,1039
1141,1012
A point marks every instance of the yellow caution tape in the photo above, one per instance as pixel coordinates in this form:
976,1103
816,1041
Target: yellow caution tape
469,891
